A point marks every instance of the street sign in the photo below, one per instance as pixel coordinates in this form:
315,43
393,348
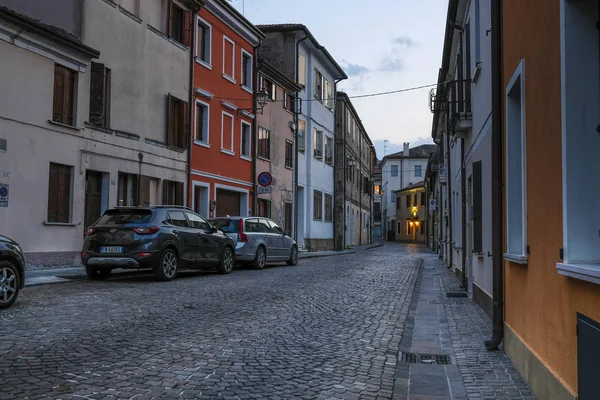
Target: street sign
3,194
432,204
265,179
264,190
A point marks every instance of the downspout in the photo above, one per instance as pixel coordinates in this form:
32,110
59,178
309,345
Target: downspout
346,171
497,207
335,110
295,181
192,110
254,153
449,195
463,191
360,189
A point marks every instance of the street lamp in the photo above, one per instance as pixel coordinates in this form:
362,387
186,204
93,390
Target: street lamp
262,98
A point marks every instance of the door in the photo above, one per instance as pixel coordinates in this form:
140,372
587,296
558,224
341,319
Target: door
288,218
93,197
284,248
187,237
208,245
270,240
228,203
347,226
588,354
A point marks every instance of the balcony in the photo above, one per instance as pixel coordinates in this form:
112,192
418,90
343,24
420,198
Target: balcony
459,107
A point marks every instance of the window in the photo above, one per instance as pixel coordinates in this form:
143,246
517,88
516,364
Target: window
227,128
408,228
172,193
328,150
246,70
415,201
477,31
477,208
180,21
275,228
318,144
301,69
318,85
264,226
393,197
394,170
177,130
264,208
288,102
127,191
59,193
204,42
408,199
228,59
328,96
422,227
399,228
252,225
301,135
177,218
377,189
289,152
417,170
197,222
264,143
348,122
328,207
422,198
100,95
397,205
246,139
201,132
366,185
64,100
348,170
317,205
515,168
268,86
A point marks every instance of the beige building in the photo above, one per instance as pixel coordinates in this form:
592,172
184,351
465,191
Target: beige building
411,212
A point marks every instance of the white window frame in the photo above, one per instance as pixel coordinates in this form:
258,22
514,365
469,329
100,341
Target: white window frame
516,251
249,155
320,148
247,88
223,115
303,148
232,77
207,64
196,140
301,72
325,137
420,169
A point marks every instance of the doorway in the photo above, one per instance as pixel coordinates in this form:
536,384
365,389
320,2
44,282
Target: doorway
288,218
96,196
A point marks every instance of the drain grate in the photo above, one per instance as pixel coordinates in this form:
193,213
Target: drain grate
417,358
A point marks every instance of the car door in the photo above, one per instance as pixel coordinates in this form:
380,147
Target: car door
205,240
187,239
270,239
282,251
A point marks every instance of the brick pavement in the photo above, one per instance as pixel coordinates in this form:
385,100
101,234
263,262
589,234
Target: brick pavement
327,328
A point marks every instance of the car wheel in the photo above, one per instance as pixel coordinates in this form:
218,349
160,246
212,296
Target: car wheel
227,261
166,269
261,258
9,284
96,273
293,256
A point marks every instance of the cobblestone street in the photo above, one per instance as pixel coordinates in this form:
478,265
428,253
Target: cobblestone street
329,328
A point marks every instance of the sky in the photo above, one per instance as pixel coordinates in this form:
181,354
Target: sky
383,45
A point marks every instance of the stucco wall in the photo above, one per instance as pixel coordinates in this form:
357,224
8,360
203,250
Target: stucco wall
63,14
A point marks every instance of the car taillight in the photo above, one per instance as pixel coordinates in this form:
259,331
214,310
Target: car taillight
89,231
146,231
242,237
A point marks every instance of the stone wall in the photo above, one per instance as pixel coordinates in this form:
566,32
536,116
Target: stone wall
318,244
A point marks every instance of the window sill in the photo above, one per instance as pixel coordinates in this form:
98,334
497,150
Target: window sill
166,37
318,158
301,151
60,224
584,272
517,259
203,144
175,148
130,15
264,159
229,78
64,125
204,63
247,89
289,167
246,158
228,152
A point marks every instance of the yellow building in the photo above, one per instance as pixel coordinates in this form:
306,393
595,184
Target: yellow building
410,214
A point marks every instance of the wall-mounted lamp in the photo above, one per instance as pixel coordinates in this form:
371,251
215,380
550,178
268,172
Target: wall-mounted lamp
262,98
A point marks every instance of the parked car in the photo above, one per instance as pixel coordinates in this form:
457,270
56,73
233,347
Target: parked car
258,240
12,271
162,238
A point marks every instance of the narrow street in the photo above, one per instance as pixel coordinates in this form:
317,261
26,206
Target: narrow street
329,328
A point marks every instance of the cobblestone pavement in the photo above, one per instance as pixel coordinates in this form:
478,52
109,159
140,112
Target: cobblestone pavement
327,328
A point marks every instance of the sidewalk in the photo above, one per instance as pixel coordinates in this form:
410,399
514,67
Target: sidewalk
442,354
356,249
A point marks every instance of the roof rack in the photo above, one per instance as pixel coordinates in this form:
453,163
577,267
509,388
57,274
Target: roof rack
172,206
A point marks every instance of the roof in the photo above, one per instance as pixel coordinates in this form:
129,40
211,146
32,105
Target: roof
268,68
422,151
300,27
241,18
413,186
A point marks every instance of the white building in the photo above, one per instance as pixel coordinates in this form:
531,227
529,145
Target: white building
294,50
399,170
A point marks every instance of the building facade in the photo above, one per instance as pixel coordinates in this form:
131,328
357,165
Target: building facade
292,49
276,137
223,145
411,212
353,160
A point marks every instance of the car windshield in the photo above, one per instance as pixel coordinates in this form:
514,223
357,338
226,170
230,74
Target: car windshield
226,225
122,217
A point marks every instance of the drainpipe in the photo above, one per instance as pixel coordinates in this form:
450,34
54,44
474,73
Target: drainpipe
497,207
449,194
360,189
346,171
295,183
463,191
191,108
254,153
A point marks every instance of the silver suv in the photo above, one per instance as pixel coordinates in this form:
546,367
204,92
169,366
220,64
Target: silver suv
258,240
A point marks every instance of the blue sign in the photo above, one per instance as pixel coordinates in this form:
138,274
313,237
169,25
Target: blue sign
265,179
3,194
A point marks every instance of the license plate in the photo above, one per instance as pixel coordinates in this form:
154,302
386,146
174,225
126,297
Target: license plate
111,249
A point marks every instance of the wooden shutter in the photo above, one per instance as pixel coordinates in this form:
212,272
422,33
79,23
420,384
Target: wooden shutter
185,132
59,91
179,193
97,90
64,190
477,208
170,18
187,28
53,193
165,194
144,191
407,200
423,198
170,120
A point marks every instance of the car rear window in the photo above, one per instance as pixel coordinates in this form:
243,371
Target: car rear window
122,217
226,225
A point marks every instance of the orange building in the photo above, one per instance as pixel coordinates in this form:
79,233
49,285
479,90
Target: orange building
221,167
551,76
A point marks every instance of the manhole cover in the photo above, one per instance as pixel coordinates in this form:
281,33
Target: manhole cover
417,358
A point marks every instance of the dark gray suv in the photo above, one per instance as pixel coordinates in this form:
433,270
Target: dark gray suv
162,238
12,271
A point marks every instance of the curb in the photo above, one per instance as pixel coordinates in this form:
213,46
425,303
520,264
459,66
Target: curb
326,255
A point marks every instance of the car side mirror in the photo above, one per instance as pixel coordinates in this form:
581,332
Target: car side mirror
213,229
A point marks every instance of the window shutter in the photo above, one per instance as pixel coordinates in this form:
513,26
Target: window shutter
477,208
165,192
407,200
144,191
64,190
423,198
59,91
179,193
170,19
170,120
97,101
187,28
185,137
53,194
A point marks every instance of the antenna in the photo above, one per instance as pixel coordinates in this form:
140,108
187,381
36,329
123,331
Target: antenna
243,6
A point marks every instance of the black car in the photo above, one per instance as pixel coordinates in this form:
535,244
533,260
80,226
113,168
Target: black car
12,271
161,238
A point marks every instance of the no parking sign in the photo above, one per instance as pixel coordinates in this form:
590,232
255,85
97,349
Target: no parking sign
3,194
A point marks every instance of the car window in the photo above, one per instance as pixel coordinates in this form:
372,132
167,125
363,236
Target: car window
264,226
275,228
252,226
125,216
177,218
227,225
197,222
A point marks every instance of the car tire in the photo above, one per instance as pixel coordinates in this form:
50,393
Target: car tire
260,259
167,267
293,257
96,273
9,284
227,261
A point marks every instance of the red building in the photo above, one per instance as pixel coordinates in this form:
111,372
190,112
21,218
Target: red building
221,181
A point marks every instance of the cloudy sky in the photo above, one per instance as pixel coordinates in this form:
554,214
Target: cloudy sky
383,45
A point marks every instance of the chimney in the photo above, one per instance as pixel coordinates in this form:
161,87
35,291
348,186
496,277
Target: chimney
405,152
